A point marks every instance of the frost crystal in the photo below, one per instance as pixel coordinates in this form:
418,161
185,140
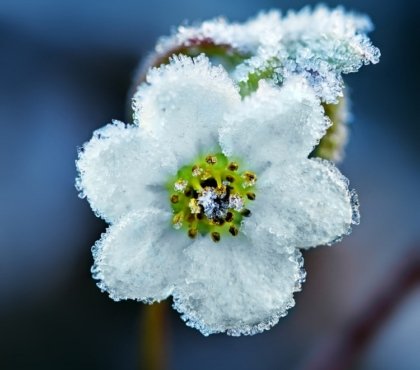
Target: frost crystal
320,44
138,178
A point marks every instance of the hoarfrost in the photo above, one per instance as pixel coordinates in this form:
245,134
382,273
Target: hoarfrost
120,168
320,44
241,288
183,104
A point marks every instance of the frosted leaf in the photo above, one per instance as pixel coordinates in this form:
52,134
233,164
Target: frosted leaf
301,205
237,287
139,258
262,132
123,169
183,104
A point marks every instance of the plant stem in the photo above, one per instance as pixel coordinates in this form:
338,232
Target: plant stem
153,337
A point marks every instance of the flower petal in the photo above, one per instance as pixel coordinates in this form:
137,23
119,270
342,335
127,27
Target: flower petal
302,205
123,169
275,124
183,104
237,287
139,257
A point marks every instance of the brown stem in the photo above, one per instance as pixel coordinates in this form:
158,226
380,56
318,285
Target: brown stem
153,337
347,347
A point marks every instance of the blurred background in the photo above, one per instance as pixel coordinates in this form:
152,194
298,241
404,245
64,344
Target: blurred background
65,69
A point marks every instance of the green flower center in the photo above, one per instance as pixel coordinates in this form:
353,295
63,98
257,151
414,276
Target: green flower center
210,196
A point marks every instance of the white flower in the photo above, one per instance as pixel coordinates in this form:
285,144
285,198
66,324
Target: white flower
224,237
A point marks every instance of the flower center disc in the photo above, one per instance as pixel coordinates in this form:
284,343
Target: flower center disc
210,195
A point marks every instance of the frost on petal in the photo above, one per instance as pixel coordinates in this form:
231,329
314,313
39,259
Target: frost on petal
323,43
139,257
183,104
123,169
274,124
302,205
237,287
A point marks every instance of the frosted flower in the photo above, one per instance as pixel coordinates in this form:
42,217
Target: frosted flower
211,197
320,44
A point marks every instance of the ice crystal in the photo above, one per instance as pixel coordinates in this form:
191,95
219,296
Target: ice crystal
320,44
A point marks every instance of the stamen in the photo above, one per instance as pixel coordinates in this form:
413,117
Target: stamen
229,217
192,233
210,196
233,166
180,185
230,178
194,206
250,179
215,236
250,196
196,171
246,212
177,221
211,159
233,230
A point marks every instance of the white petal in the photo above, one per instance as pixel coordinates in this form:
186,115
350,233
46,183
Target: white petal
140,257
183,104
274,124
237,287
302,205
123,169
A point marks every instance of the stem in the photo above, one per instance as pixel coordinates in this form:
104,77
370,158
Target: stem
153,330
346,348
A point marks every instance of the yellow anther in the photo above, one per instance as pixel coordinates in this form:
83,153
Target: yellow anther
196,170
233,166
192,233
250,179
177,220
194,206
211,159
